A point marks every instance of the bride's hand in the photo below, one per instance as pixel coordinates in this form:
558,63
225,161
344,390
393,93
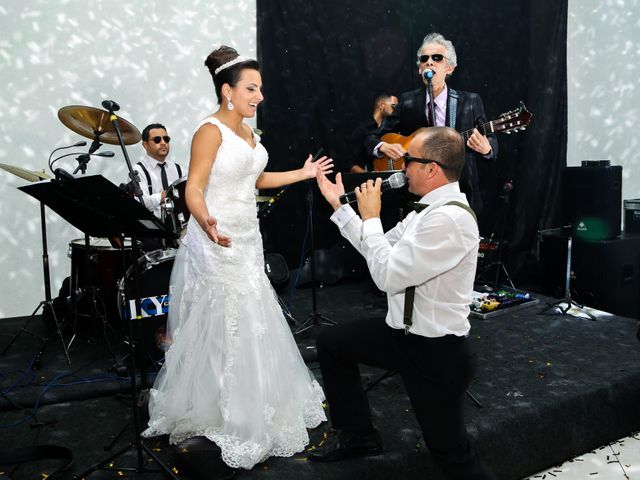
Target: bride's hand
210,227
324,164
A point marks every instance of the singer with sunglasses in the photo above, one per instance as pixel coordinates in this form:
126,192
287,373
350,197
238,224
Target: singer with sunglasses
426,265
155,172
436,61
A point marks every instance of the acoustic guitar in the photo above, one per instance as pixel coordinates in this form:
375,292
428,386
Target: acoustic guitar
512,121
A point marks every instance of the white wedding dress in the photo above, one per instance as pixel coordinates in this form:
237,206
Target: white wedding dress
233,372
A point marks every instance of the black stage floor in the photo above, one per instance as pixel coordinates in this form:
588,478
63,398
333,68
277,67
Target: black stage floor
551,387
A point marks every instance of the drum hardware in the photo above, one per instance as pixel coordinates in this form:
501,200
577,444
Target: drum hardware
138,397
48,301
100,209
174,210
96,267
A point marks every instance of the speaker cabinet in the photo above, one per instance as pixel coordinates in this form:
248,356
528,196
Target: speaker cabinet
592,199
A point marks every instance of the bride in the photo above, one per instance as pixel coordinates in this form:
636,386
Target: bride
233,373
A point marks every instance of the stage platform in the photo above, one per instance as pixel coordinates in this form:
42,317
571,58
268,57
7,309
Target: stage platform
551,387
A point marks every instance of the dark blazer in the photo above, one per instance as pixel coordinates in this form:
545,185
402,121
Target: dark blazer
410,115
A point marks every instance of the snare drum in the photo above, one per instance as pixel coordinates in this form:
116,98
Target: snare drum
154,273
176,204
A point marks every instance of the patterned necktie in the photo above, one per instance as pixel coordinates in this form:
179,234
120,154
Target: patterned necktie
418,207
163,176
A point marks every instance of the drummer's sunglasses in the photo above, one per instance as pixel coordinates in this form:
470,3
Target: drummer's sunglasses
436,57
157,139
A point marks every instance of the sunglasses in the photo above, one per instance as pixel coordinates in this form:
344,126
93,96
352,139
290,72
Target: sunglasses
436,57
408,159
158,139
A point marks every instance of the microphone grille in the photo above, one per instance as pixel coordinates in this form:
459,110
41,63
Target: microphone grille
397,180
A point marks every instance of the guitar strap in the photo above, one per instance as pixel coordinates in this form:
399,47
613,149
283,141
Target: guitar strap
410,292
453,107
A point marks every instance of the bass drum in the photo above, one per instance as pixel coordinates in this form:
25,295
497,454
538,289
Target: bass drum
152,283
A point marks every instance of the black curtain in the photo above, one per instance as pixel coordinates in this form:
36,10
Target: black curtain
322,62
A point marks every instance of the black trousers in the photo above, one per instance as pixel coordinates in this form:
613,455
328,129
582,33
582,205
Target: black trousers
435,372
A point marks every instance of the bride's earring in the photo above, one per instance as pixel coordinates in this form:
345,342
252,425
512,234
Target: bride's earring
229,104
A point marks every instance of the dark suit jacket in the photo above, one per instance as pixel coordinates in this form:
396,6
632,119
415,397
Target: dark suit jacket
410,115
358,154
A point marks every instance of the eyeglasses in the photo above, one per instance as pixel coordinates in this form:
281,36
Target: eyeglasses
436,57
158,139
408,159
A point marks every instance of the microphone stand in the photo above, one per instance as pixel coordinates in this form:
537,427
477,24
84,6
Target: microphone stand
500,223
432,113
263,212
315,318
137,443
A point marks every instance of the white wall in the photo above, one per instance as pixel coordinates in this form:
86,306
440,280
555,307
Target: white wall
146,55
603,69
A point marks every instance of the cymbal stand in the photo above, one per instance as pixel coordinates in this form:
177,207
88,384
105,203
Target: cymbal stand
315,318
46,303
557,308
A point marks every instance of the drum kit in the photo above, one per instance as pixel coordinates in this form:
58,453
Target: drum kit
101,283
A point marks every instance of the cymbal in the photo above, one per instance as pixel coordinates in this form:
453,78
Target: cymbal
28,175
91,122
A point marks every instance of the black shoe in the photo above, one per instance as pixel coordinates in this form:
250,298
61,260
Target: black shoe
342,445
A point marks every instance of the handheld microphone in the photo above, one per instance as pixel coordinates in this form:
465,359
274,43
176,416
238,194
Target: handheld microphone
110,105
428,74
396,180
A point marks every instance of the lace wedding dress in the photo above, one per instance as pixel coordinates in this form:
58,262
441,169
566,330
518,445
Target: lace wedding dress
233,373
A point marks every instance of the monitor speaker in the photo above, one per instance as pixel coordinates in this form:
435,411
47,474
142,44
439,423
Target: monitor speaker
592,199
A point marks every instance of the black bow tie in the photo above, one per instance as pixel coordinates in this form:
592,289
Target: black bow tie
418,207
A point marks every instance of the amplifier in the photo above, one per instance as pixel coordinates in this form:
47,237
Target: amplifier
632,216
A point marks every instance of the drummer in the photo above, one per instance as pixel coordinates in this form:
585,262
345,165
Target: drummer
156,173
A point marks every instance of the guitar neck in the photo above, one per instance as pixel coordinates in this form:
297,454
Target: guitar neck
484,129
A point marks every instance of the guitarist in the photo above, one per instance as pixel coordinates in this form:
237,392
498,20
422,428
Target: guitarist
360,160
460,110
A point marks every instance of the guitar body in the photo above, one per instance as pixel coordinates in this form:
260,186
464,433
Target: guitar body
510,122
385,163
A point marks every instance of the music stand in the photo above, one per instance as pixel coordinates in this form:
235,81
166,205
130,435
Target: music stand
97,207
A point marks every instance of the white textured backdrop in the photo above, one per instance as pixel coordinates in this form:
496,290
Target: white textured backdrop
146,55
603,69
